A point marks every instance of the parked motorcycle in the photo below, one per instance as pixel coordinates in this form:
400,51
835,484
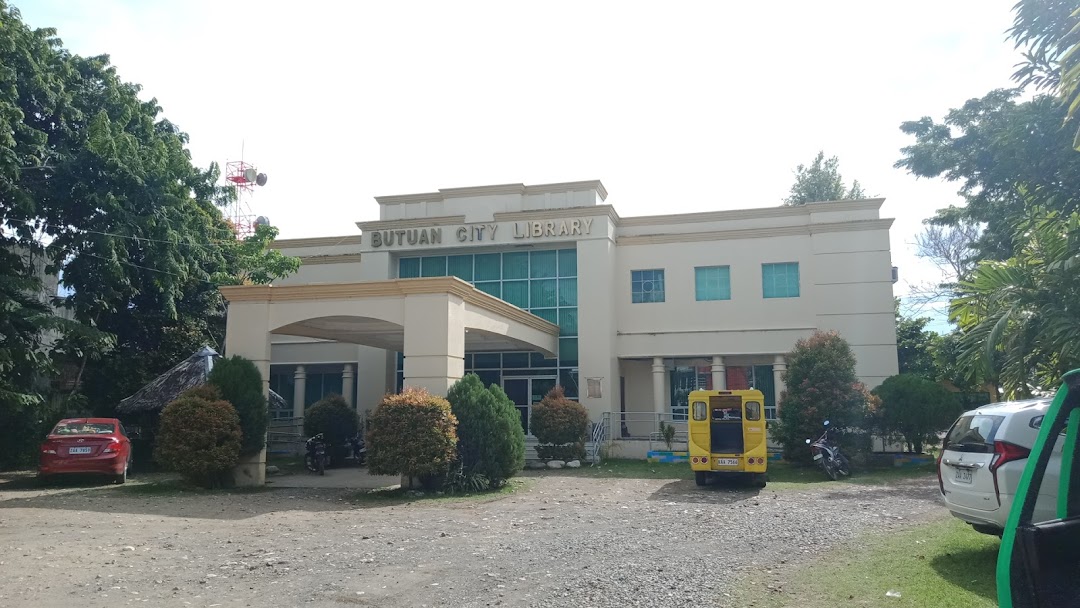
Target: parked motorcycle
317,456
827,453
359,449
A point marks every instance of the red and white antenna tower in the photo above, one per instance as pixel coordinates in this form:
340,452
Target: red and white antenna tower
244,177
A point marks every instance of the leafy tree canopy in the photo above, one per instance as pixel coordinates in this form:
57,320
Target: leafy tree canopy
915,346
821,181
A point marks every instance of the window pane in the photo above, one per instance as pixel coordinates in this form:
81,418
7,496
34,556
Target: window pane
542,264
512,360
568,380
568,354
408,268
538,360
543,293
493,287
516,293
567,321
568,262
490,377
780,280
433,266
515,265
460,266
567,292
488,267
712,283
547,314
487,360
647,286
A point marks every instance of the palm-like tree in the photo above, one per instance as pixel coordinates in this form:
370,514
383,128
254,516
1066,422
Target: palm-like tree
1021,317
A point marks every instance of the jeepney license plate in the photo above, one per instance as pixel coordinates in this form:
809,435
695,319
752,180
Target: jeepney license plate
730,462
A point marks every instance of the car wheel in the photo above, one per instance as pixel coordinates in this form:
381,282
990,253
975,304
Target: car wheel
122,477
759,480
701,478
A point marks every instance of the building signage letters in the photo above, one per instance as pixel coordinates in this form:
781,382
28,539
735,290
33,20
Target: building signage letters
481,232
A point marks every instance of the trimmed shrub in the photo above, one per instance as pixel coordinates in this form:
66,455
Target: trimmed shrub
336,420
491,442
199,438
412,434
241,384
821,385
914,408
560,426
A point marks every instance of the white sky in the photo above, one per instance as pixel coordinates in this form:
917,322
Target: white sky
675,106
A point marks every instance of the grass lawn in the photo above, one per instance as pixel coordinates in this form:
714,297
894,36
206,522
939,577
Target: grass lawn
944,563
781,475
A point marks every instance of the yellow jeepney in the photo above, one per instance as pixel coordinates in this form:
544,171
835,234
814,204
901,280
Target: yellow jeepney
727,435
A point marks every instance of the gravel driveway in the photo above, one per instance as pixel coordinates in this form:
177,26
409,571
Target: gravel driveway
562,541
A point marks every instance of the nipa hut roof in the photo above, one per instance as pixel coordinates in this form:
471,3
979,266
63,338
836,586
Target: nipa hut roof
187,374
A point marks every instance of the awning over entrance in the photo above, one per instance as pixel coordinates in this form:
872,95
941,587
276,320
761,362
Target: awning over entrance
432,321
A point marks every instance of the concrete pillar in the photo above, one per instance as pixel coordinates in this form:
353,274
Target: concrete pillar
299,391
598,292
347,389
247,333
779,370
659,399
434,341
719,374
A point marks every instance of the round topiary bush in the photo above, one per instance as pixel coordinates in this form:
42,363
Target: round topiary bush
241,384
336,420
412,434
199,438
560,425
491,441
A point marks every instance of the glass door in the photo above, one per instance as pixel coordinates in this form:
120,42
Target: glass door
526,392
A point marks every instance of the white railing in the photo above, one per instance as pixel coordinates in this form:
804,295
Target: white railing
645,426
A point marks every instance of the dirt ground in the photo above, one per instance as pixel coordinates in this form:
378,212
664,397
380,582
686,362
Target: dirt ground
559,541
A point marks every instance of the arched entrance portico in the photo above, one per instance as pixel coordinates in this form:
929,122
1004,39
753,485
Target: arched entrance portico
432,321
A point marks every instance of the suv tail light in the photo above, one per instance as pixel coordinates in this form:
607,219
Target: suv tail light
1006,452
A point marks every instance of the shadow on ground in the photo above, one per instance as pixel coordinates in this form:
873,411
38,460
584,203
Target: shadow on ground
971,569
717,493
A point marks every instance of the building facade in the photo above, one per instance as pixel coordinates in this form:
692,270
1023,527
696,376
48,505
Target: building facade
647,308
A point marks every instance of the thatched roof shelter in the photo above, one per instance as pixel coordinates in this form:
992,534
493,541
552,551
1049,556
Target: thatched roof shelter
187,374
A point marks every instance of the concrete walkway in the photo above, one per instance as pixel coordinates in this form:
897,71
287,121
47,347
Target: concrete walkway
349,476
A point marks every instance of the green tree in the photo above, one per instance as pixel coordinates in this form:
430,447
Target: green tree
821,385
561,426
414,434
1005,156
1020,326
915,346
199,437
914,408
491,441
241,384
821,181
336,420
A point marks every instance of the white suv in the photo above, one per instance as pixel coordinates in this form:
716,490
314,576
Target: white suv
983,457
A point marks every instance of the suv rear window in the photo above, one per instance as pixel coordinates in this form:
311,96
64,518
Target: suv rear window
973,434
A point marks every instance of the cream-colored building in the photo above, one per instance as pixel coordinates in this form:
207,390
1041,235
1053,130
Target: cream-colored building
627,313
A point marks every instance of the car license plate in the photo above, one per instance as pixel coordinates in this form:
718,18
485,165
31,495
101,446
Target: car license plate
963,476
79,450
727,462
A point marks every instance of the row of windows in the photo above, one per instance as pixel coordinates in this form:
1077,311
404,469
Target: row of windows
714,283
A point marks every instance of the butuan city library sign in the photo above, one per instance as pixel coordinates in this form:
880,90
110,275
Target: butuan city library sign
480,232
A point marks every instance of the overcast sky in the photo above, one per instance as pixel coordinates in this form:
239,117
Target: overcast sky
675,106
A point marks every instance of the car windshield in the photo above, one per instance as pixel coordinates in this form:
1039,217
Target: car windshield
973,434
84,428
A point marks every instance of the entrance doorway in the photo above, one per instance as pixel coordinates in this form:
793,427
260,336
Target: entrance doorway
526,392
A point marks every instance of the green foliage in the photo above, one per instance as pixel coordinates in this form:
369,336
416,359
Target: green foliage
412,433
821,385
252,261
560,425
915,347
241,384
336,420
914,408
491,441
667,432
199,438
458,481
1017,316
821,181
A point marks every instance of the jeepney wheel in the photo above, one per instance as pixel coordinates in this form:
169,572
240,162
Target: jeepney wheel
701,478
759,480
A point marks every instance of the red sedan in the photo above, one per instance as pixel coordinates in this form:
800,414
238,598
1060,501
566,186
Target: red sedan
86,445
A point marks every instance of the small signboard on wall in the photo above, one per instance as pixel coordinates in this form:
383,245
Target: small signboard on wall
593,390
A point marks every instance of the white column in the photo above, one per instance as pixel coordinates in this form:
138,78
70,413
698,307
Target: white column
659,400
347,390
719,373
434,341
779,370
299,391
247,333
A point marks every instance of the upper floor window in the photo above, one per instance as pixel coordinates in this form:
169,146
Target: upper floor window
712,283
647,286
780,280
